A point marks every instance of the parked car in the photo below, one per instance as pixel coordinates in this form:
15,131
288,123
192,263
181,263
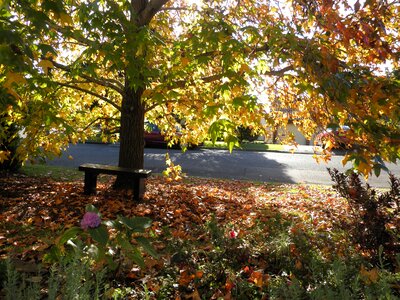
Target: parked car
334,137
153,137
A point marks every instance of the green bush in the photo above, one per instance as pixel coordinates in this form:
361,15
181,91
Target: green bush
246,134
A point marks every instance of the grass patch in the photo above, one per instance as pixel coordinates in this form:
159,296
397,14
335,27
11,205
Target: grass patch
254,146
54,172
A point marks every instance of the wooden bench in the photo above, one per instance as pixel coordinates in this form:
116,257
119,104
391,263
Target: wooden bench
93,170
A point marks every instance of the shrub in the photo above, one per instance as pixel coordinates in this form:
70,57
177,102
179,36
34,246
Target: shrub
246,134
376,215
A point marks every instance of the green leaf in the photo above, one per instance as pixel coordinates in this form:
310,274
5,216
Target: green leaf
232,141
69,234
47,49
111,263
137,224
377,170
238,102
53,256
91,208
135,255
124,243
147,246
99,234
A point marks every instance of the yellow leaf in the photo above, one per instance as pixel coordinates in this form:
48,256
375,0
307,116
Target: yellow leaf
45,65
236,89
328,145
4,155
345,159
147,93
66,19
244,68
14,78
140,50
364,168
185,61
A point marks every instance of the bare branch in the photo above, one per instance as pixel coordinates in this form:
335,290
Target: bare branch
175,8
280,72
106,82
78,88
100,119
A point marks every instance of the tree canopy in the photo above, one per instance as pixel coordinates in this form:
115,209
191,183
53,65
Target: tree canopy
70,66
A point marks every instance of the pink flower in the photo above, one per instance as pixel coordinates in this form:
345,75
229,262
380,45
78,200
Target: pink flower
90,220
233,234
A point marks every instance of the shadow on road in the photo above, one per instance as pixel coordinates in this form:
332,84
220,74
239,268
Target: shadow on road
201,162
221,164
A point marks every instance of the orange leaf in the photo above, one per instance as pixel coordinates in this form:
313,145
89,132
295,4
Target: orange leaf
185,278
370,276
199,274
257,278
298,265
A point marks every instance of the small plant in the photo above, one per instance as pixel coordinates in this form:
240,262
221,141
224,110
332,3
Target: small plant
70,279
105,243
172,172
376,215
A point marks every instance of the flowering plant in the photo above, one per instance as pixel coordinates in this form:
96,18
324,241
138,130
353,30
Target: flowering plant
90,220
233,234
93,239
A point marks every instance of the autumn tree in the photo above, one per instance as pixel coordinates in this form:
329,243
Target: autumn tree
203,66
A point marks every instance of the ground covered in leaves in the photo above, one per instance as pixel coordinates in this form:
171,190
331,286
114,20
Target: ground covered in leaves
217,239
29,205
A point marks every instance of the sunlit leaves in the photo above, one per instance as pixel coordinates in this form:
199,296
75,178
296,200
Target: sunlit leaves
313,63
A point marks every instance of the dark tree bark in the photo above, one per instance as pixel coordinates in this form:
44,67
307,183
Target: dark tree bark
131,134
131,153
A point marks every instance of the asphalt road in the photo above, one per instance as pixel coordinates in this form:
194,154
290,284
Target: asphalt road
243,165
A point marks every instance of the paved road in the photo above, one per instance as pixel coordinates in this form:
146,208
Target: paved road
259,166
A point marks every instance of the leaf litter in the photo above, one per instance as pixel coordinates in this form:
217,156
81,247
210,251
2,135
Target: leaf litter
34,211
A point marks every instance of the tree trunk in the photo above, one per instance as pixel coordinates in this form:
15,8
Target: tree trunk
131,134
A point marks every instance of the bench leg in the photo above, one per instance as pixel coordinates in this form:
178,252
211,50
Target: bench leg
90,183
138,189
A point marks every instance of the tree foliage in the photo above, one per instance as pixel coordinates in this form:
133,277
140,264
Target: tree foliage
72,66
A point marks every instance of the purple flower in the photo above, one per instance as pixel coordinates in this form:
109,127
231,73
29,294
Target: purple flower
90,220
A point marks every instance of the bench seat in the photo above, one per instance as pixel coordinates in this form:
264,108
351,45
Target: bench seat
93,170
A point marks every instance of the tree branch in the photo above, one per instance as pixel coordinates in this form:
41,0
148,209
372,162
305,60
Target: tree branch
280,72
175,8
149,11
61,29
98,119
110,83
208,79
90,93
